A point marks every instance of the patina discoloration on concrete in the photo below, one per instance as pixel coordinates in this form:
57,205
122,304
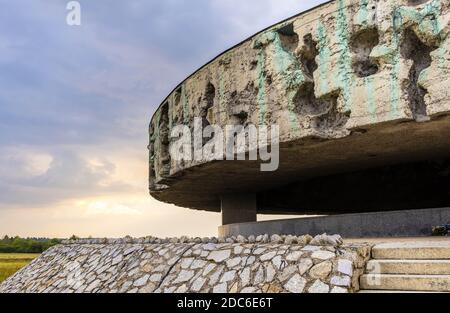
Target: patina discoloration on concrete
345,82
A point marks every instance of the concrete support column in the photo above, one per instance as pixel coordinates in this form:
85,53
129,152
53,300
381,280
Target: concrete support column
238,208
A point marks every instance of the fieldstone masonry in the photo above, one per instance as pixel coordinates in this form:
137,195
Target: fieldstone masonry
234,265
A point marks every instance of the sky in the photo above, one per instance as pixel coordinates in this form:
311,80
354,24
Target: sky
76,101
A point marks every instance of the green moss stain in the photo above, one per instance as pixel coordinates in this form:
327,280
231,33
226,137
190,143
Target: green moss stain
442,50
288,68
170,103
363,13
283,59
397,25
427,20
222,103
344,77
430,17
153,139
371,102
429,23
261,81
156,136
363,20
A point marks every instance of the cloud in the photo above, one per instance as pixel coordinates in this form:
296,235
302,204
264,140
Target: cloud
67,175
17,162
75,103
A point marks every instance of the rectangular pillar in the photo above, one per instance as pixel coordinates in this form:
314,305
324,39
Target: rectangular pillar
238,208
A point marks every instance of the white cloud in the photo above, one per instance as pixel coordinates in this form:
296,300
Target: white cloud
20,162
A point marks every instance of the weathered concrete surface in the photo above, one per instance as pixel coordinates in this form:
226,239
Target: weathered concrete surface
348,84
286,264
405,223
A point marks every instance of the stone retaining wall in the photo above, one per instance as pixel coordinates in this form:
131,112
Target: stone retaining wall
132,266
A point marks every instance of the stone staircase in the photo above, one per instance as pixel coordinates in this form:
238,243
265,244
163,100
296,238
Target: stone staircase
408,267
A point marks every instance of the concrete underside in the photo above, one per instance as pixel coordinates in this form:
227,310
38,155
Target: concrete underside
404,223
330,176
238,208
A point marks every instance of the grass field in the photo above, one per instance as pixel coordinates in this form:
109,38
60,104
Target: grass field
12,262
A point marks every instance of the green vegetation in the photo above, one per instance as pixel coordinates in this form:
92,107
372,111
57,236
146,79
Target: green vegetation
26,245
12,262
16,252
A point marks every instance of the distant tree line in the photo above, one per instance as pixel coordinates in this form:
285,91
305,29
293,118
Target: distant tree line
26,245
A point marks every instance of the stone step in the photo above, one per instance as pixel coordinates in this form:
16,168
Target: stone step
439,283
424,250
417,267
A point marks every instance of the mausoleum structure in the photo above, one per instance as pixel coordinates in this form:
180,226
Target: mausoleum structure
360,92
